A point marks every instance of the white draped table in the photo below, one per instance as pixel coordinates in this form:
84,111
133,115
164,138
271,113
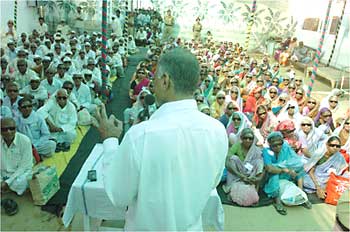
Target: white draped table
90,198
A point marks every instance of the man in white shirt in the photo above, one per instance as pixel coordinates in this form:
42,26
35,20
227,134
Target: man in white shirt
165,168
35,127
16,158
51,83
42,27
35,91
24,74
61,117
83,94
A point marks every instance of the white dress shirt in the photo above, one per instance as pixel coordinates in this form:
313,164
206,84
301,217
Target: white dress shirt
16,162
165,169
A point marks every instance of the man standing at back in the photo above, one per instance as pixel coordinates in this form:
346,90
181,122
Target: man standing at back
165,168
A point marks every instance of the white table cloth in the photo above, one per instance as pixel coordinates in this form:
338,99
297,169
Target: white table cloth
90,198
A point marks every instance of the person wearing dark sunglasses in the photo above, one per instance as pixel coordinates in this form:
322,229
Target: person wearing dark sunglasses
283,168
245,166
61,118
343,132
310,137
324,162
16,157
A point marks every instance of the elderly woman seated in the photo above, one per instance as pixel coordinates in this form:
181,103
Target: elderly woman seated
310,137
284,167
245,167
326,160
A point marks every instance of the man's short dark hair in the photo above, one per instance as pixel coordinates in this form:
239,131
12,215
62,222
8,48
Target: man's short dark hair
182,68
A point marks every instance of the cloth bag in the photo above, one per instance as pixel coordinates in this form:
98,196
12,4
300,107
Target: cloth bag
44,184
336,185
243,194
291,194
84,117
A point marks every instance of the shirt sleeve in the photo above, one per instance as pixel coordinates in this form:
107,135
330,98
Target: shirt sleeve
121,170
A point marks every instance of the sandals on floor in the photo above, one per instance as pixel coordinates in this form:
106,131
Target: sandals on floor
307,205
280,209
10,206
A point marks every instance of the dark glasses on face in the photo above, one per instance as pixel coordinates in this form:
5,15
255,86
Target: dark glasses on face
306,124
299,93
282,100
221,98
259,81
274,81
207,80
216,87
231,108
248,138
347,123
234,92
298,80
291,87
68,88
285,79
277,145
200,100
236,119
5,129
26,106
291,107
273,92
334,145
333,101
311,102
262,113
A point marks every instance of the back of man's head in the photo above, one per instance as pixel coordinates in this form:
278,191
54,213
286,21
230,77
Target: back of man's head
182,68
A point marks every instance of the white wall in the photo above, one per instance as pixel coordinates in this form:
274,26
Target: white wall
317,8
27,17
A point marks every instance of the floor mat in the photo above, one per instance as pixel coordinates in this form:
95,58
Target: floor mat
61,159
263,199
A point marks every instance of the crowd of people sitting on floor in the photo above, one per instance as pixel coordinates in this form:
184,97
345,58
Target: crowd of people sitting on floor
280,140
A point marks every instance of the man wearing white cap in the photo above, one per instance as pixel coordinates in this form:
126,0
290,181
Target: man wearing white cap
80,61
35,91
24,74
88,52
51,83
68,65
82,93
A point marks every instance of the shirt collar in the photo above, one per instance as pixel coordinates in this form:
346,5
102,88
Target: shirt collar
14,142
174,107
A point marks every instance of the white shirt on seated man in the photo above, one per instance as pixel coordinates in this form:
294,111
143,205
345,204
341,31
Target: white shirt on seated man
61,117
165,168
16,158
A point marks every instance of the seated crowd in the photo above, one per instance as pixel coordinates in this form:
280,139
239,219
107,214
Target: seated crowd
50,84
280,140
278,137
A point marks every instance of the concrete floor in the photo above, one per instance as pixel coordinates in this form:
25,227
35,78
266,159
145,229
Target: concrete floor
320,218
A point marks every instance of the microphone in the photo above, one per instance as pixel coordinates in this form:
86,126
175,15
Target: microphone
149,100
144,114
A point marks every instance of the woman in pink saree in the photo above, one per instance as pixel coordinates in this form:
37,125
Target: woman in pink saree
137,84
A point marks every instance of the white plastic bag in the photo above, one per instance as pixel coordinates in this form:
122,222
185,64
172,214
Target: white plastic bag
290,194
